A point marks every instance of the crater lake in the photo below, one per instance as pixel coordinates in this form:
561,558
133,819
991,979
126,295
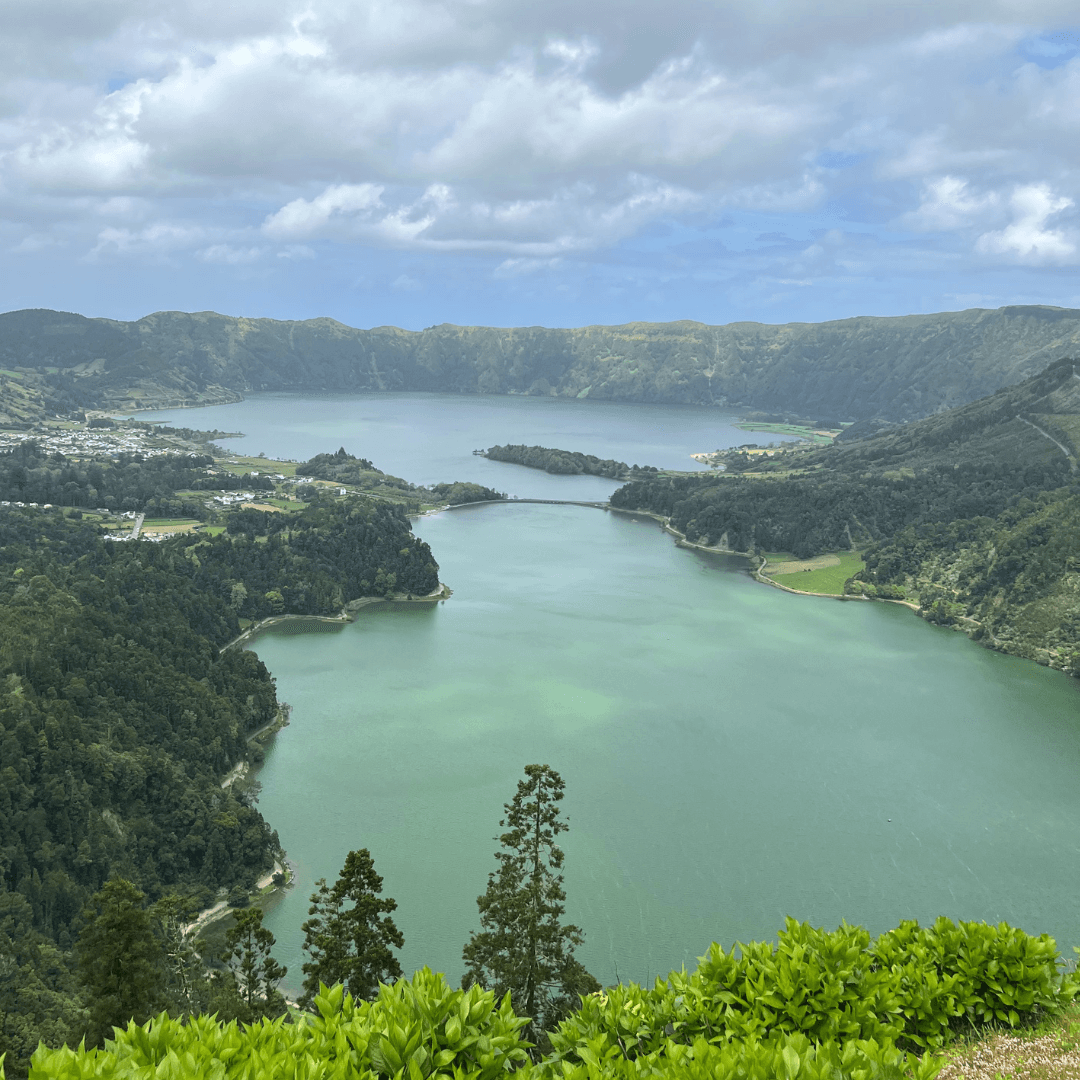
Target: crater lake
733,754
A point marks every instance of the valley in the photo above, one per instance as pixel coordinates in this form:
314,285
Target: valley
579,636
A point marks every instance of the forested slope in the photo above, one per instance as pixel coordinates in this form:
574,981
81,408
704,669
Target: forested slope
897,368
974,514
120,713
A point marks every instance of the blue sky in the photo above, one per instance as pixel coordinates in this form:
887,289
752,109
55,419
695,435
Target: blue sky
513,163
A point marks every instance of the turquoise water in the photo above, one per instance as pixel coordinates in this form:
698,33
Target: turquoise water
430,438
732,754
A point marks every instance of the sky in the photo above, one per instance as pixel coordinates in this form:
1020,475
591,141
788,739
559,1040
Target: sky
558,163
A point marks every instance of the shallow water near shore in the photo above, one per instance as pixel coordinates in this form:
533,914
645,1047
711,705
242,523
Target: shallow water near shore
732,754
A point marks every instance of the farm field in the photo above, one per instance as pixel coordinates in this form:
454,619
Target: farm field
823,574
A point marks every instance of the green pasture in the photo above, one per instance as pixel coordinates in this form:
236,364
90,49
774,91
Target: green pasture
241,463
829,579
800,431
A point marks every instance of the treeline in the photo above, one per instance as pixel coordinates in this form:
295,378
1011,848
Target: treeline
119,713
117,719
345,468
124,483
564,462
461,492
830,511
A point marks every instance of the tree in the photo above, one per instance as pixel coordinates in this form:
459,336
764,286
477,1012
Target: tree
524,948
121,961
351,945
247,948
184,974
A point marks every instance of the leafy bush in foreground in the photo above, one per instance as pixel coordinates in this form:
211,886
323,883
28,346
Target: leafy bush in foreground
416,1028
817,1005
913,983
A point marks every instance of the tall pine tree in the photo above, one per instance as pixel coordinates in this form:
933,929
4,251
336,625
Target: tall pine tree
256,972
524,947
122,965
351,945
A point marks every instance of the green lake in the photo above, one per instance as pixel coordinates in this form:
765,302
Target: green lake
732,754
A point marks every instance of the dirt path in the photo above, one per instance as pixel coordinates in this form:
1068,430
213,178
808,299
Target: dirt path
1046,435
221,908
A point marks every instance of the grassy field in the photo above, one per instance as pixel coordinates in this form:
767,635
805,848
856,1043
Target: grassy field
169,525
824,574
241,464
800,431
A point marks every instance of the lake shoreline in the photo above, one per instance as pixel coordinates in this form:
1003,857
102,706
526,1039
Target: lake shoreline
343,617
964,625
756,572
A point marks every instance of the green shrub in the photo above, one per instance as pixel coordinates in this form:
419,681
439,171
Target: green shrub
414,1029
822,985
816,1004
969,972
783,1057
912,983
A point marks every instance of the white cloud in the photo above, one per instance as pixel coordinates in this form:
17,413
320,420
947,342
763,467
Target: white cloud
1028,238
948,203
528,133
303,218
35,242
155,240
294,252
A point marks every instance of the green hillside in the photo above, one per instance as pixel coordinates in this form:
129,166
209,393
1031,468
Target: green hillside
972,514
896,368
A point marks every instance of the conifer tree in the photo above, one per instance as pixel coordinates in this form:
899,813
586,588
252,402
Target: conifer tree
121,961
257,973
524,948
351,945
184,972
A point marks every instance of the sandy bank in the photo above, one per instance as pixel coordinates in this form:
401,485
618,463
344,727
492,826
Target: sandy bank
222,908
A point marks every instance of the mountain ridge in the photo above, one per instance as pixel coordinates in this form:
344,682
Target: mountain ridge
896,368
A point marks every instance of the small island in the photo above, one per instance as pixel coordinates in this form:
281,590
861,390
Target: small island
565,462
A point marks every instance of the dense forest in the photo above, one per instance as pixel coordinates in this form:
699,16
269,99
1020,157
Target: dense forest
565,462
808,515
894,368
120,711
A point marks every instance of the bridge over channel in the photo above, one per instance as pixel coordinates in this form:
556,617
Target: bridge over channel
545,502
